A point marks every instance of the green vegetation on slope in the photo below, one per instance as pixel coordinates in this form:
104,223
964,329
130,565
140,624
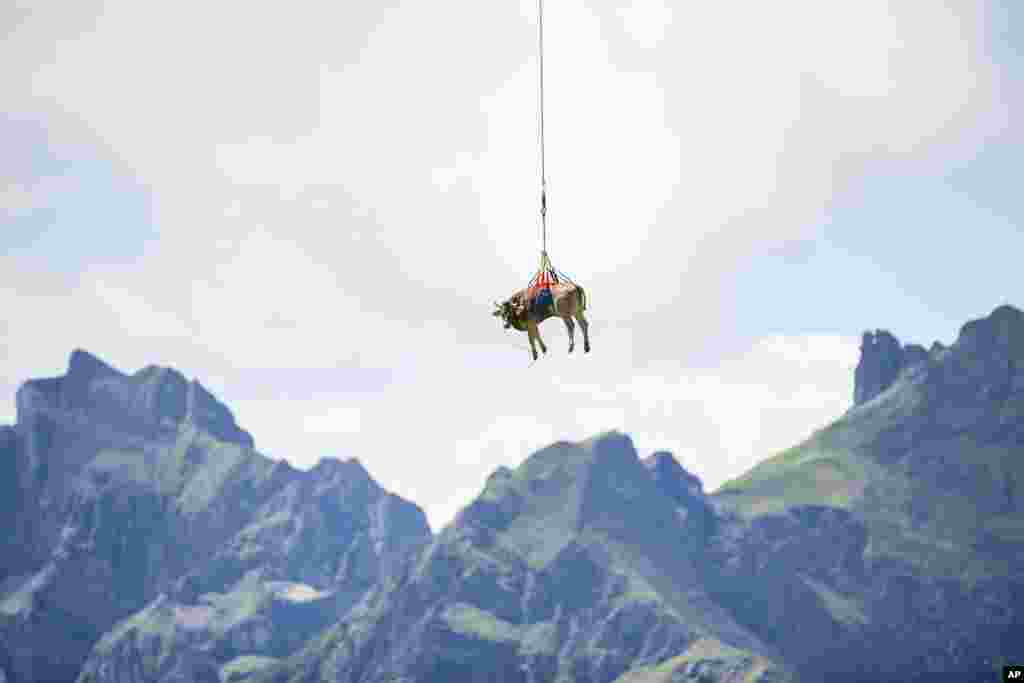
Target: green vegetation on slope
476,623
240,668
809,474
708,659
933,508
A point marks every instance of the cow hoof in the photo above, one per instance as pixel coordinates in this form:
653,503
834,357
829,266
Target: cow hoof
586,349
570,349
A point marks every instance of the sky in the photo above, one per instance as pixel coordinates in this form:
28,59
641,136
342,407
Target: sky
311,208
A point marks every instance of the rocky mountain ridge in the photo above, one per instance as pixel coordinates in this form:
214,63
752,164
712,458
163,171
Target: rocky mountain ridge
128,490
887,546
924,476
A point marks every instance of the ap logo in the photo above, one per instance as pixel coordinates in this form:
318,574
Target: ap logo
1013,673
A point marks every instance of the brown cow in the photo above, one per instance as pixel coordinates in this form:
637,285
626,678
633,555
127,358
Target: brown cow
568,302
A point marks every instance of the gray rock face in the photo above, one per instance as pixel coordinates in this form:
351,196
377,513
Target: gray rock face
569,568
118,489
687,491
1000,330
881,360
154,401
991,339
254,622
891,540
775,572
10,502
672,479
885,547
330,527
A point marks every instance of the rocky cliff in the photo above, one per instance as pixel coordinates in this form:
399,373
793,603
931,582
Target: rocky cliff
577,566
902,522
122,491
149,542
882,360
886,547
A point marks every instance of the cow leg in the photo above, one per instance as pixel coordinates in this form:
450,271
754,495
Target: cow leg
531,331
535,331
569,325
585,326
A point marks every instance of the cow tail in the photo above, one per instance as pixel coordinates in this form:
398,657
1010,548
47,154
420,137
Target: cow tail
582,298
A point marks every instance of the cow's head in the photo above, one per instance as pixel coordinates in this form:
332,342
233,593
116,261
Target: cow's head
505,311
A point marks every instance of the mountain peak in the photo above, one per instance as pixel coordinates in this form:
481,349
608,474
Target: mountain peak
84,365
597,487
881,359
672,478
664,461
349,467
206,412
1003,328
611,447
153,398
1007,311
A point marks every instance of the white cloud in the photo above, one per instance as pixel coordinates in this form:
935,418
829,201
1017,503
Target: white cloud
17,200
438,435
809,350
505,439
337,420
646,20
7,406
442,512
348,184
722,421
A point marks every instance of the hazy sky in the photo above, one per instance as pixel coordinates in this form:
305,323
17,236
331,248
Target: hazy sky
311,206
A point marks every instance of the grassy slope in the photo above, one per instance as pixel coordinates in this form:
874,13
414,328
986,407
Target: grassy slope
240,668
834,468
711,655
541,501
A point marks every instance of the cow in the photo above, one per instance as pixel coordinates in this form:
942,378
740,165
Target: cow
568,301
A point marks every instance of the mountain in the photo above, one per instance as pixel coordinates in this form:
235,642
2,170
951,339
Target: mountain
904,519
148,541
887,547
577,566
137,501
